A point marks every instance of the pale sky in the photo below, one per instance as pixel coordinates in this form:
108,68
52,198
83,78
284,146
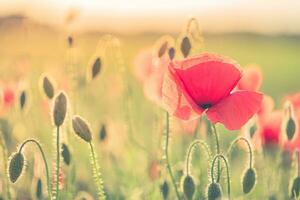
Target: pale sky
137,16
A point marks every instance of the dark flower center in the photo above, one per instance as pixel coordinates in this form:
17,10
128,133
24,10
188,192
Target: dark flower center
205,105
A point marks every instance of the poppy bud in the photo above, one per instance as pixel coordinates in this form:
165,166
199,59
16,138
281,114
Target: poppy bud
22,99
70,41
164,189
214,192
252,130
60,109
163,48
102,133
171,53
185,46
249,180
96,67
16,165
48,87
39,189
188,187
295,188
272,197
66,154
290,128
82,129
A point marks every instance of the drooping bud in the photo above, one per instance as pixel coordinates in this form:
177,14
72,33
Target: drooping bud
96,67
249,180
171,53
252,130
295,188
214,191
66,154
290,128
70,41
164,189
60,109
185,46
188,187
162,49
23,99
16,166
102,133
48,87
81,128
39,189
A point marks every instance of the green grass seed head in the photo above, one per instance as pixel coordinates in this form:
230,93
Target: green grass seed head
81,128
164,189
188,187
60,109
214,191
249,180
295,191
16,166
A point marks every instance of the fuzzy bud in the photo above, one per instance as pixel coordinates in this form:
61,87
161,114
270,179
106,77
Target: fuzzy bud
171,53
16,166
60,109
96,67
185,46
163,48
70,41
249,180
188,187
48,87
66,154
81,128
164,188
295,188
23,99
290,128
214,192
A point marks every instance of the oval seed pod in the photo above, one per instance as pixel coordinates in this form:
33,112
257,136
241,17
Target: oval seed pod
48,87
162,49
188,187
23,97
60,109
81,128
295,188
214,191
102,133
96,67
16,165
249,180
171,53
66,154
39,189
290,128
185,46
164,189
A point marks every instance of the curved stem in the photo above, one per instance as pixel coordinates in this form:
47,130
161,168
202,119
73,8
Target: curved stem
227,171
189,25
4,154
44,159
167,156
190,151
218,149
57,162
249,148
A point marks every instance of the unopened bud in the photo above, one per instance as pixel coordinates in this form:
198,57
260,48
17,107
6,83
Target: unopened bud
16,165
164,189
214,192
23,97
96,67
60,109
66,154
188,187
171,53
249,180
163,48
290,128
295,188
48,87
185,46
81,128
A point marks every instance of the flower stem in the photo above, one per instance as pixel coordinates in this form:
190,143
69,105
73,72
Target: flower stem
298,163
57,162
218,150
97,174
227,171
190,152
44,160
167,156
4,154
249,148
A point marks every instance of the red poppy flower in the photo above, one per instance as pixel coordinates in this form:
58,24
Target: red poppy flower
8,97
205,84
251,79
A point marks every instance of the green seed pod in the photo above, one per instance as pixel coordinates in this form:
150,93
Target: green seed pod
164,189
96,67
214,192
185,46
39,189
290,128
295,188
48,87
16,166
163,48
171,53
252,130
22,99
102,133
60,109
66,154
188,187
81,128
249,180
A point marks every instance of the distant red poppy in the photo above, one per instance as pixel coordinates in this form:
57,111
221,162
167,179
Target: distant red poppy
205,84
8,96
251,79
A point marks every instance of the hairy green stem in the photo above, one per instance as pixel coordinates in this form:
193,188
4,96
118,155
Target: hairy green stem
248,145
4,154
298,163
190,152
57,163
218,150
166,147
227,171
44,160
97,174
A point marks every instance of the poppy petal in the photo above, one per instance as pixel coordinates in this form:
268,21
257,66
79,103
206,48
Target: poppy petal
235,110
207,78
251,79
